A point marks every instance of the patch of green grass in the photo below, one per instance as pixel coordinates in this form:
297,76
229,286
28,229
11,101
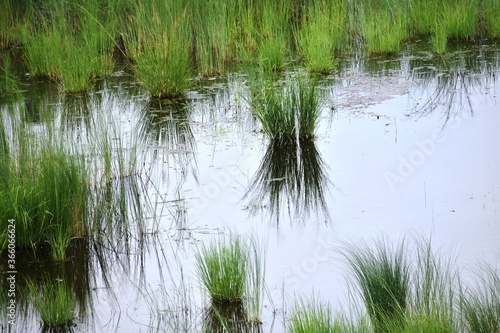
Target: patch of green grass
384,31
492,8
55,303
312,317
222,267
480,305
8,82
159,42
383,280
287,110
319,35
461,19
44,187
439,37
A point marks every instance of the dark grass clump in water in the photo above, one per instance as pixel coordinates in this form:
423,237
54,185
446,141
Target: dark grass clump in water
54,302
222,268
383,279
287,110
480,305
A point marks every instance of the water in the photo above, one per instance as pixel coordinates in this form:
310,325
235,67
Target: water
406,145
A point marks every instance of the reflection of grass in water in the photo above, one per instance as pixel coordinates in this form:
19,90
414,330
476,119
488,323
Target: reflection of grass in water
294,174
55,303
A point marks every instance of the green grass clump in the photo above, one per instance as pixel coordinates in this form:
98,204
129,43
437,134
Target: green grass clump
383,279
55,303
8,82
287,110
222,267
385,31
318,37
312,317
492,8
159,40
481,305
43,188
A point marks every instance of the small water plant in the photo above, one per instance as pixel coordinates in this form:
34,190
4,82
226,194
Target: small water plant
54,302
222,267
383,280
312,316
287,110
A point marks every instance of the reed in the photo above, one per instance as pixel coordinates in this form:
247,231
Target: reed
287,110
54,302
439,37
8,81
461,18
274,32
383,280
223,268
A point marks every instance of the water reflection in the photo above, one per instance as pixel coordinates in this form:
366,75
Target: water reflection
228,318
291,178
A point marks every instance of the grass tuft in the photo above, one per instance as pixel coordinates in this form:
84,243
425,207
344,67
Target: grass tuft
288,110
222,267
310,316
383,279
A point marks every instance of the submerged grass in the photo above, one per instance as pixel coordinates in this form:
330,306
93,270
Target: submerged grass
287,111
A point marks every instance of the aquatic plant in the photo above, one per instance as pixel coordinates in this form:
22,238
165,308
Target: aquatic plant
55,303
287,110
159,40
222,267
480,305
319,35
44,187
384,31
491,10
383,280
311,316
8,81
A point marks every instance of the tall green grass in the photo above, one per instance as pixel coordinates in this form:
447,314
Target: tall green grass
491,9
159,40
383,278
480,303
288,110
384,31
311,316
44,187
320,34
8,81
54,302
222,268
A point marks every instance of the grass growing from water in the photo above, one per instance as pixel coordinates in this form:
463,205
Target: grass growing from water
159,41
481,304
319,35
312,317
385,31
287,110
43,187
383,278
223,268
55,303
